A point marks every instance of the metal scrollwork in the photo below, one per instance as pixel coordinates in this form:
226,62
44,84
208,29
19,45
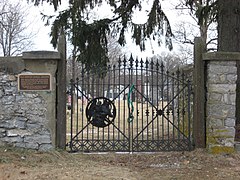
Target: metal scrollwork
101,112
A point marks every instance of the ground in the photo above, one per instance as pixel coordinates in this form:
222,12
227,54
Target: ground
19,164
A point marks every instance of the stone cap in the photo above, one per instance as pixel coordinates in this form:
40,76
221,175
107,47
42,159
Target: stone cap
221,56
11,64
41,55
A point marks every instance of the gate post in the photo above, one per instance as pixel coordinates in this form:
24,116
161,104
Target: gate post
199,123
61,95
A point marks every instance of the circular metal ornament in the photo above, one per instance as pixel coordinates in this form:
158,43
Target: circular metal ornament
101,112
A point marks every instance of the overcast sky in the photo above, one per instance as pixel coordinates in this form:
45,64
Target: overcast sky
42,39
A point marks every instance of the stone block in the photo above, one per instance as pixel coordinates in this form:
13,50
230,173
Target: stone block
11,140
36,119
18,132
2,143
222,88
33,126
221,68
215,123
2,132
20,123
1,93
214,97
220,110
231,78
227,132
213,78
217,149
31,145
237,147
223,78
37,138
38,100
45,147
20,145
228,99
229,122
8,100
8,124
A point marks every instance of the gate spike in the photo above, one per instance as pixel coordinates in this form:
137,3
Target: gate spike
141,63
136,62
131,60
124,61
157,65
152,63
119,62
162,67
146,63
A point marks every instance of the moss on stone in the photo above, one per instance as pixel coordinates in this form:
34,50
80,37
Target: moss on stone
221,150
211,140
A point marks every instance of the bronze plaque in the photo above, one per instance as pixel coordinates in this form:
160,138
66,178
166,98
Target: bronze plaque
34,82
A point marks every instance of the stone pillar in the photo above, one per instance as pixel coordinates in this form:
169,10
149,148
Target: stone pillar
28,117
221,98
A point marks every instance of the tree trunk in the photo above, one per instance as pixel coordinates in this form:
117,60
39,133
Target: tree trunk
229,40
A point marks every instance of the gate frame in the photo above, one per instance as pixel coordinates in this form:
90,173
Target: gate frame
130,134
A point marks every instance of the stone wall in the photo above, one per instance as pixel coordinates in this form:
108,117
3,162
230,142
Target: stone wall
22,116
221,76
28,118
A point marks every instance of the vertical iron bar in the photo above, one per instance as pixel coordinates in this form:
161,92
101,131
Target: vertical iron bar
119,105
157,71
183,104
173,105
189,114
92,141
124,105
143,92
119,89
92,94
162,96
89,79
147,113
77,114
130,126
168,100
137,100
109,82
178,102
83,99
71,123
143,81
153,89
98,82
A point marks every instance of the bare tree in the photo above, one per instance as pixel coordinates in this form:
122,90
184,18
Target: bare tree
14,37
171,61
203,24
115,51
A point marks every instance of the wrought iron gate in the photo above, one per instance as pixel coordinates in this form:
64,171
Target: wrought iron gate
131,106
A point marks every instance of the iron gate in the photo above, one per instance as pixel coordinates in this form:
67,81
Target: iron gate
131,106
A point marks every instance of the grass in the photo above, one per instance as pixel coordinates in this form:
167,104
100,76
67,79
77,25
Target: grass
145,125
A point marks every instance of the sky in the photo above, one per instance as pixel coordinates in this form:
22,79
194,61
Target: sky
42,38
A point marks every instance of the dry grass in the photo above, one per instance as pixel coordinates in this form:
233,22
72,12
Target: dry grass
18,164
143,126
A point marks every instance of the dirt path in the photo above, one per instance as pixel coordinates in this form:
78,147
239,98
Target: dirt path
16,164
